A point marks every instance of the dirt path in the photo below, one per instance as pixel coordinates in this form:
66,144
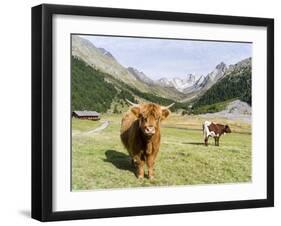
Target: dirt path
100,128
93,131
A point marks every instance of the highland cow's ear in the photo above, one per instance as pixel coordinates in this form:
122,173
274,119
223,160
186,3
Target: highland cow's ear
165,113
136,111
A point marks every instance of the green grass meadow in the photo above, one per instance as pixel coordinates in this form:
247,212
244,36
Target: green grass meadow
100,161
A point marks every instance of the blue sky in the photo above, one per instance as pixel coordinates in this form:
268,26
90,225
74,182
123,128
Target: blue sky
170,58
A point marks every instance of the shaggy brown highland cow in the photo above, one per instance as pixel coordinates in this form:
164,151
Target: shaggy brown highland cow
140,134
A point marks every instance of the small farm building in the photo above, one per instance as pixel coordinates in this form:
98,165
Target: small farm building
90,115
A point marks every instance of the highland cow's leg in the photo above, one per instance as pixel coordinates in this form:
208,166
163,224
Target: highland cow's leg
141,168
139,164
140,172
150,166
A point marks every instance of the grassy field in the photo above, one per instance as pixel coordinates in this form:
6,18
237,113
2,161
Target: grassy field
100,161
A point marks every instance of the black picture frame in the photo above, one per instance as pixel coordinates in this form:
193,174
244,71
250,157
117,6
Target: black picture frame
42,111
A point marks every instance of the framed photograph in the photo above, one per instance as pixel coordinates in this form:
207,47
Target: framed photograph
145,112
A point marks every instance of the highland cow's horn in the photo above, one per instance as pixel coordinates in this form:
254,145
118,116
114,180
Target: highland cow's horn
131,103
169,106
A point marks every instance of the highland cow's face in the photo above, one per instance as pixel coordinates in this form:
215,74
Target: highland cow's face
150,116
149,122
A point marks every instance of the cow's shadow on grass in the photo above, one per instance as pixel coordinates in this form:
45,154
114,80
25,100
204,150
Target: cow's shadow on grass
195,143
119,160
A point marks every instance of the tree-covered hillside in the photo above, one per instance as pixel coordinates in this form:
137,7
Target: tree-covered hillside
90,91
95,90
235,84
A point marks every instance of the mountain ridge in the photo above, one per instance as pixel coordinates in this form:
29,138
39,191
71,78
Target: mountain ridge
89,84
185,89
235,83
103,60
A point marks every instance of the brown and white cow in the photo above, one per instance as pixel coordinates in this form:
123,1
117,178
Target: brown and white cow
140,134
214,130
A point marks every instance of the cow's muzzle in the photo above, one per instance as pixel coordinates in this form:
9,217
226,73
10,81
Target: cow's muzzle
149,131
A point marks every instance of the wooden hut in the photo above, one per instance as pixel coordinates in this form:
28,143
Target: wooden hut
90,115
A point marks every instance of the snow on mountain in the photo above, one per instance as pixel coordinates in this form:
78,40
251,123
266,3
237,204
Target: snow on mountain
177,82
218,72
210,79
192,83
184,87
199,81
196,86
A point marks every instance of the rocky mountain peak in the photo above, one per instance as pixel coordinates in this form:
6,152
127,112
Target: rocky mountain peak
190,78
179,83
246,63
186,85
140,75
221,66
219,71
